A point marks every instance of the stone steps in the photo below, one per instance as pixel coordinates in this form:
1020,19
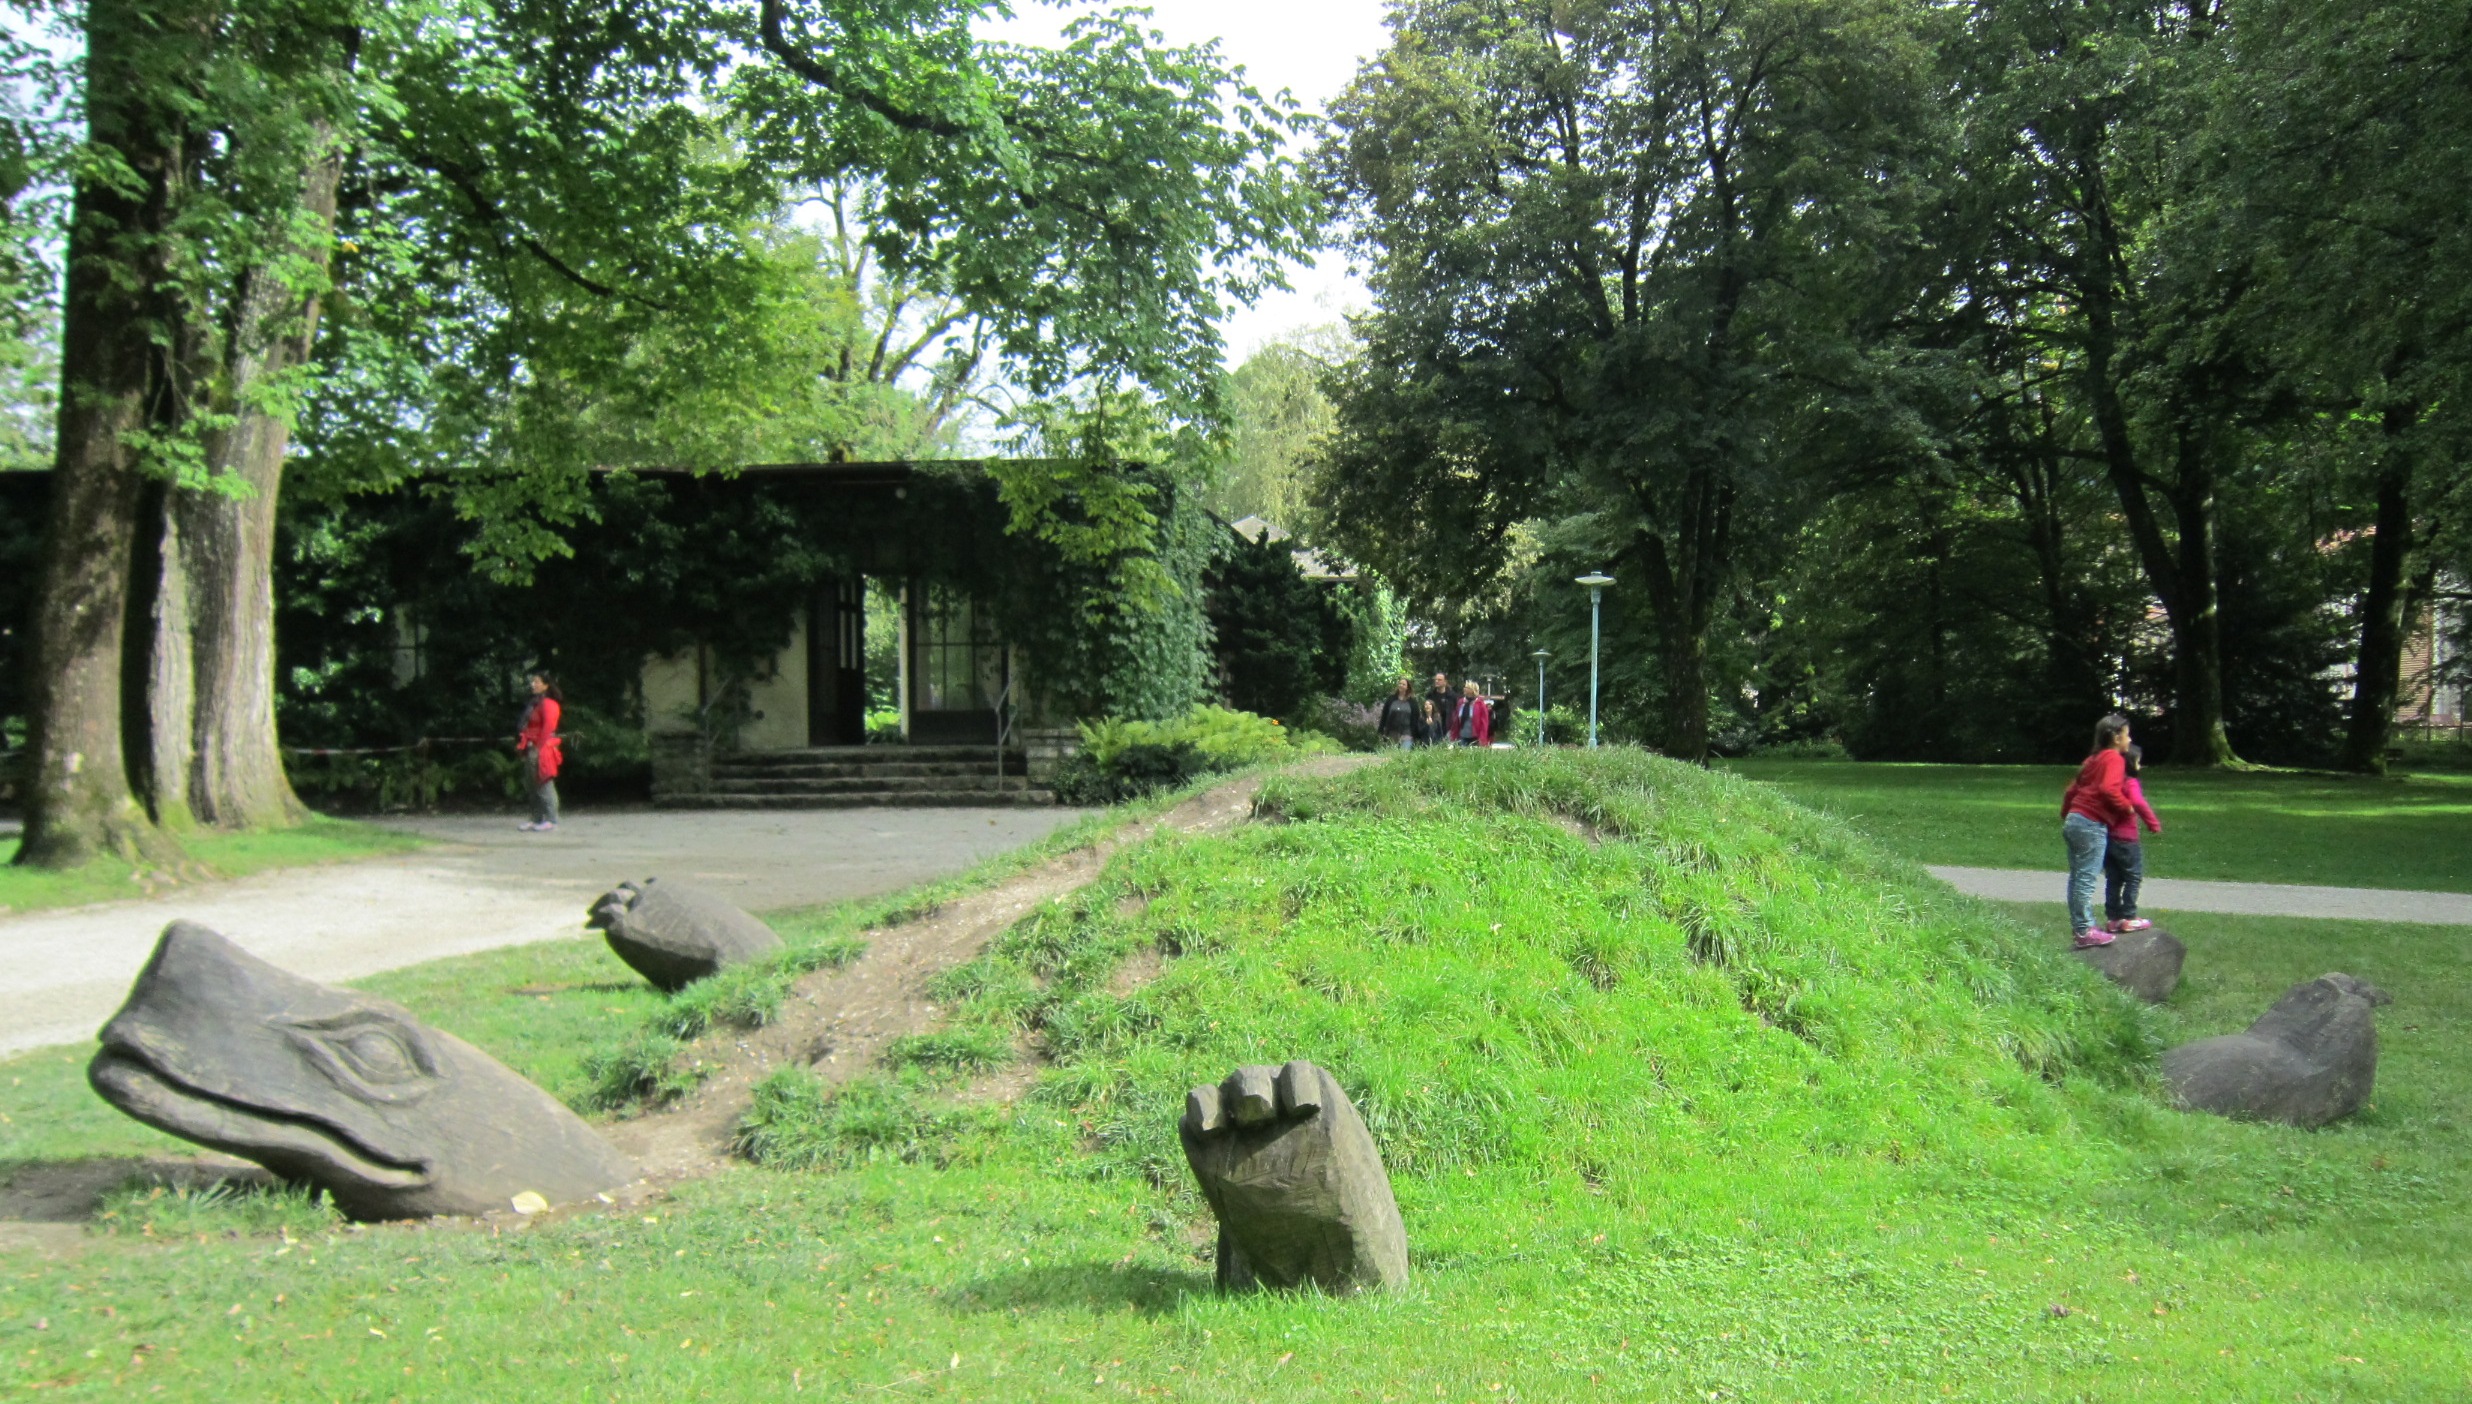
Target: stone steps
861,784
857,777
856,770
877,799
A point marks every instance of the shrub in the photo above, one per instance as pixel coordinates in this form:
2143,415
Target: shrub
1355,725
1123,760
1564,726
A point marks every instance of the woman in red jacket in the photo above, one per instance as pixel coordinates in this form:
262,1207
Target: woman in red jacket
536,740
1471,717
2095,802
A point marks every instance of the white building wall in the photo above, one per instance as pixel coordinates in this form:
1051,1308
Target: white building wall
778,701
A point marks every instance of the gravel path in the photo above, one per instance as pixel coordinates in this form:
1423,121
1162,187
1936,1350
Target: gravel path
2235,898
484,885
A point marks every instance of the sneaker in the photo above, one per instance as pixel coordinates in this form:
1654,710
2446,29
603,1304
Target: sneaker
2128,924
2092,938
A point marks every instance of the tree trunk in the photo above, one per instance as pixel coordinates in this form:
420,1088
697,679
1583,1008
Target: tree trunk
228,535
1686,695
170,676
1682,589
79,802
2378,672
2199,736
2181,572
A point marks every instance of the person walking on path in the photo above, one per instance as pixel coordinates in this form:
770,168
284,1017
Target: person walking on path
2094,805
1400,725
536,741
1471,717
2124,858
1438,704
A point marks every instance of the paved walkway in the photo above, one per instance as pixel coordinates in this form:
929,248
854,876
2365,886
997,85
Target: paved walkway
482,886
2235,898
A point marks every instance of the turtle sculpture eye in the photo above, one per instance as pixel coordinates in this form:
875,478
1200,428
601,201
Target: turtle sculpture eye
369,1053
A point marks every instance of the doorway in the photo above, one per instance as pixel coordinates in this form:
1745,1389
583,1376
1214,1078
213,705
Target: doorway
837,663
959,671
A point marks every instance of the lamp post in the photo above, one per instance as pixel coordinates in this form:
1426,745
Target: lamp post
1596,581
1540,656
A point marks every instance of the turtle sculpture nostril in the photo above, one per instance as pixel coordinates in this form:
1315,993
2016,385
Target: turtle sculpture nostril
1296,1182
392,1118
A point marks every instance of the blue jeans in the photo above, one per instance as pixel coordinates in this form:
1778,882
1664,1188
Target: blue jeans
2124,872
2086,840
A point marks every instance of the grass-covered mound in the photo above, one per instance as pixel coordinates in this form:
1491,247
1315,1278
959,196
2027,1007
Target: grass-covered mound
1595,971
1625,1175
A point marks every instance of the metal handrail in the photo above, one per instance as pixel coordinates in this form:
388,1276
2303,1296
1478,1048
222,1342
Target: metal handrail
1004,716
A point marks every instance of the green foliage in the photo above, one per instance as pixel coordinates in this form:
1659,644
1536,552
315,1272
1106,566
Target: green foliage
1674,962
1598,323
211,854
643,1069
150,1207
645,1060
576,252
1137,769
748,995
1223,736
1624,1229
952,1051
1565,725
1377,639
1273,414
1281,640
797,1123
1116,625
2267,826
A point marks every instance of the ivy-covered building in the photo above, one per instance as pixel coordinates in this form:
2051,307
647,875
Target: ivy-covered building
721,629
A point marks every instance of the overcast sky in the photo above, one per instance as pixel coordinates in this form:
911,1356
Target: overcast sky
1311,50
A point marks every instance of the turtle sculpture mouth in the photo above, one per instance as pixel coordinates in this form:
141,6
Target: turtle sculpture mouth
332,1087
289,1142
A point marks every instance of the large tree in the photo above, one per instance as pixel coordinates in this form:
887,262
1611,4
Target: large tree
1624,257
536,205
2341,137
2071,130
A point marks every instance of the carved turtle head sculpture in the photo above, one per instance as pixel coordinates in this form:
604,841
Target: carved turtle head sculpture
675,934
333,1088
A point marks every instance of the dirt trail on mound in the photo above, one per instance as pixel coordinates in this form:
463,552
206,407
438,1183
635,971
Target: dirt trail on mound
838,1022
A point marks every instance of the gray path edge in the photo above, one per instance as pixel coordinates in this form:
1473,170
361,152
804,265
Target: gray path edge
482,886
2231,898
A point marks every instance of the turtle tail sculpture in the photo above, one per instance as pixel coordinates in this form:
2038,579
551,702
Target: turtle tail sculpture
332,1088
2309,1060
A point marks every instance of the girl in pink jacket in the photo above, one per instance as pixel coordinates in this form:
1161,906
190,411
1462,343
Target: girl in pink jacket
2124,858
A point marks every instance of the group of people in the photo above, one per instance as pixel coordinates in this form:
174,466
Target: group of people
2099,817
1440,718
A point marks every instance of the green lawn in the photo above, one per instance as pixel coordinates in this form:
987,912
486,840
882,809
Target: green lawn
1701,1100
2344,831
211,855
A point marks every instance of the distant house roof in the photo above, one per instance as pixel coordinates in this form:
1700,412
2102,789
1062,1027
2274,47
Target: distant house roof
1311,564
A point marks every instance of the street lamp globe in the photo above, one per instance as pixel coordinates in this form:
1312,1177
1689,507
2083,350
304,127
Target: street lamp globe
1596,581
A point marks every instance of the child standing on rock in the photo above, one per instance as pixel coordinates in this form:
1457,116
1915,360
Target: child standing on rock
2094,806
2124,858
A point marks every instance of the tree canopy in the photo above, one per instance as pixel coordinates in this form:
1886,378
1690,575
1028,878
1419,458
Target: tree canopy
1931,376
